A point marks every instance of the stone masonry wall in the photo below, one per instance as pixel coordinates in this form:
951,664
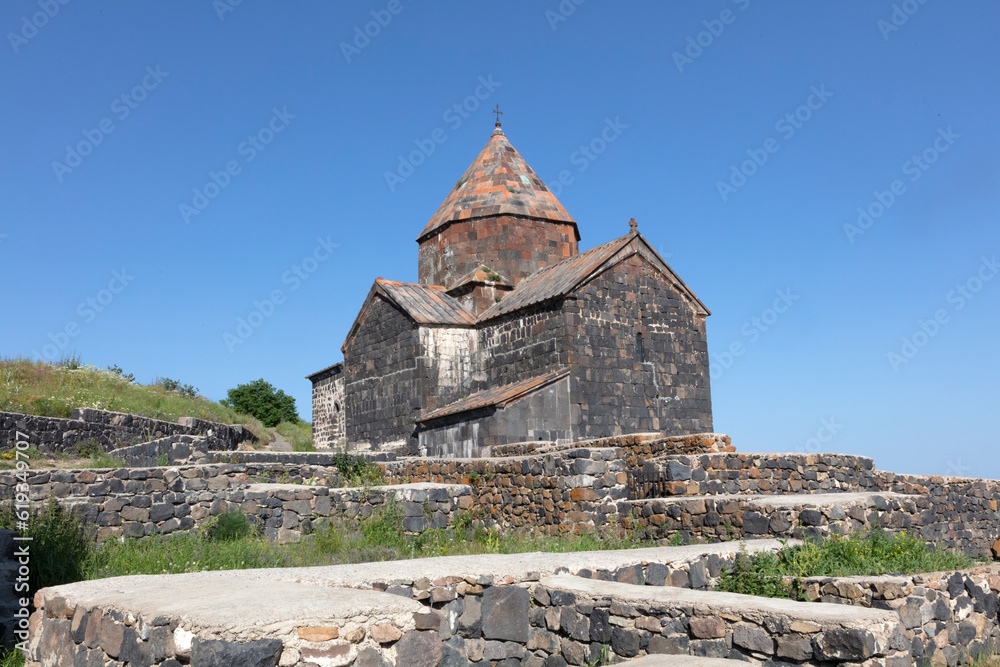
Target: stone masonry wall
522,345
946,615
328,408
487,620
542,415
733,473
380,379
512,246
111,430
668,389
140,502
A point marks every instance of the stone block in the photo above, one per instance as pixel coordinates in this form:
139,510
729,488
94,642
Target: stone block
418,649
217,653
505,613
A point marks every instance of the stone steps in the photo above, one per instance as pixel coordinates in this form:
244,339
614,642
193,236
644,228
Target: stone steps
736,516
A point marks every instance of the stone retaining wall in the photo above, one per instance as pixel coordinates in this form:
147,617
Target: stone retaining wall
732,473
946,615
531,620
111,430
173,450
140,502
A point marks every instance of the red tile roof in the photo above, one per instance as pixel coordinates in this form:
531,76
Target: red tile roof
498,182
556,280
562,278
426,304
498,396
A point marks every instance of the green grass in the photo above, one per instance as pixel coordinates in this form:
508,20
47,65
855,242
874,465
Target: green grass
874,552
11,658
53,390
299,435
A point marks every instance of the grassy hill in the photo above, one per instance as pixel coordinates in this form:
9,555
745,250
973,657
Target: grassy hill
53,390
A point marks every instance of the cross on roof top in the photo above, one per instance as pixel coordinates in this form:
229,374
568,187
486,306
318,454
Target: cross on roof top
633,226
498,113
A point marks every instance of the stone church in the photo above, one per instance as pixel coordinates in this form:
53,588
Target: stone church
513,335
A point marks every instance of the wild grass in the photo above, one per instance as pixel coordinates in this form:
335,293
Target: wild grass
299,435
870,553
60,547
11,658
53,390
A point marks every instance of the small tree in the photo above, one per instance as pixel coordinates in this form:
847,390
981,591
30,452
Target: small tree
261,400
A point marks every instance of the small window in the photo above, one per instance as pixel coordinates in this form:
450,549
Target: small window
638,346
336,406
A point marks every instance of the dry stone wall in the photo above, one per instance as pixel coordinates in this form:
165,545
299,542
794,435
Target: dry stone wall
947,616
111,430
535,618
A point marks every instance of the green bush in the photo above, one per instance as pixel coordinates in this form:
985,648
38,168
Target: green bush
261,400
357,470
228,527
59,544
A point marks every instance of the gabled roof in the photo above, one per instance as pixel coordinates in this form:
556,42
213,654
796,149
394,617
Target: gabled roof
498,182
482,275
496,397
560,279
424,304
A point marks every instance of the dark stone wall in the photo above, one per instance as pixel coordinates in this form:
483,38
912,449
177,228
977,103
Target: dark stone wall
513,247
111,430
543,415
617,393
380,378
522,345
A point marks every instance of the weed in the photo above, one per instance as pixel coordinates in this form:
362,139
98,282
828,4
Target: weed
60,546
871,553
11,657
676,540
357,470
228,527
162,460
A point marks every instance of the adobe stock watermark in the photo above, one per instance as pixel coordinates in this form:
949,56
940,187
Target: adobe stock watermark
914,168
697,43
87,311
381,18
828,429
454,116
959,297
263,309
900,14
248,149
752,330
562,12
585,155
786,126
122,107
31,25
22,552
223,7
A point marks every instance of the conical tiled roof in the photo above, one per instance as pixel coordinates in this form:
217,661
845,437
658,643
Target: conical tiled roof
498,182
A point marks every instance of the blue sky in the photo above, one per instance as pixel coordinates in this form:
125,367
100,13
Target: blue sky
213,154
